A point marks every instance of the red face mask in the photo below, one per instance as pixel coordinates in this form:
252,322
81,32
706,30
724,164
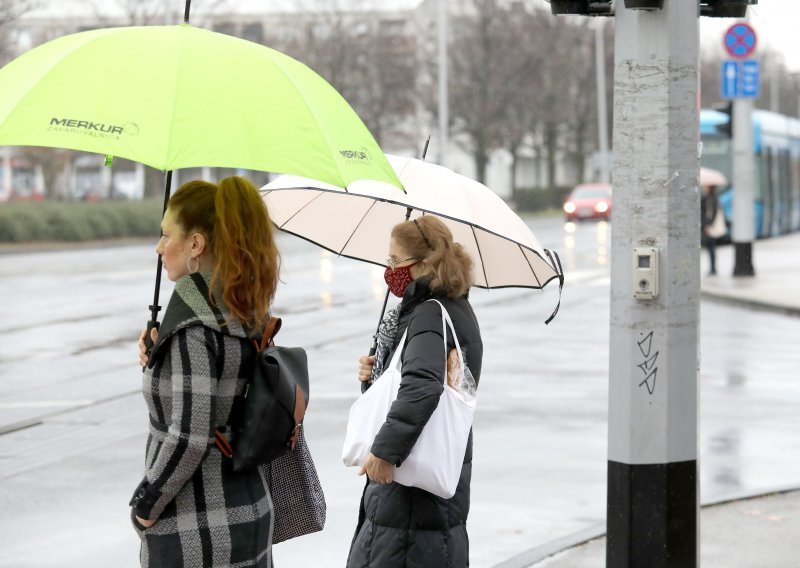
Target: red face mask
398,279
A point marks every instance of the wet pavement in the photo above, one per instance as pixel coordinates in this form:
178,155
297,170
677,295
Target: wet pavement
743,523
73,423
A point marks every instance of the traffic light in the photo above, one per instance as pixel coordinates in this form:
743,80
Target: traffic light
725,8
644,4
582,7
726,127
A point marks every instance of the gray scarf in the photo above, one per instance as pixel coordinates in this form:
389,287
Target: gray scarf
387,330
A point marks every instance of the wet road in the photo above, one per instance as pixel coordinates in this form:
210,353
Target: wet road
72,421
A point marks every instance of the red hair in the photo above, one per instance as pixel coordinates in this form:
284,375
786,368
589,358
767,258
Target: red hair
235,222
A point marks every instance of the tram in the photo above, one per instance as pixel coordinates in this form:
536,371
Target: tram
776,162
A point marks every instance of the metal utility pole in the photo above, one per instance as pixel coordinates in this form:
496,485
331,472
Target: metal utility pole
743,39
602,113
655,287
743,181
444,112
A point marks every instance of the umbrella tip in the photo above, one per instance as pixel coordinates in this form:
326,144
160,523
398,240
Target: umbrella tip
109,160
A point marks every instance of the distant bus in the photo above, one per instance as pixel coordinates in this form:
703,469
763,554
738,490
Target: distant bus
776,162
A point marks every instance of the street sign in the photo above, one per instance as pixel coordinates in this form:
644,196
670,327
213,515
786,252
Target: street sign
740,79
740,40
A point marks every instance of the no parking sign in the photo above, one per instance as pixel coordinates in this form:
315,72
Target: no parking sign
740,40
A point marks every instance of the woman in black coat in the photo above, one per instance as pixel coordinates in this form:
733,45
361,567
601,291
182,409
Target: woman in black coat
709,205
398,525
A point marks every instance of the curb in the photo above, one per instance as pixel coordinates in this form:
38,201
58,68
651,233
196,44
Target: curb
750,304
58,246
531,557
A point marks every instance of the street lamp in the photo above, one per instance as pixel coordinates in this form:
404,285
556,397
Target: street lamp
796,77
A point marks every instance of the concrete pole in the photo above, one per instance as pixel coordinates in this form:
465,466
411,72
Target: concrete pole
5,183
444,112
653,395
775,88
106,181
602,105
743,181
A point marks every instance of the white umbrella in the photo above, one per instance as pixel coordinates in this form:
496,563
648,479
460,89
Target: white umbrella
712,177
356,221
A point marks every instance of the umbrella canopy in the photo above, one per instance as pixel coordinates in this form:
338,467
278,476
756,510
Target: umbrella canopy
712,177
356,222
178,97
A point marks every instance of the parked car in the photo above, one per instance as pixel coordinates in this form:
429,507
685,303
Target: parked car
588,201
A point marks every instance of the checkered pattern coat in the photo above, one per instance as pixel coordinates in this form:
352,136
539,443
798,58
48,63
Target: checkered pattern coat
207,515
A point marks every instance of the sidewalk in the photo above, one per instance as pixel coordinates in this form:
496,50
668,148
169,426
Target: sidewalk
760,532
745,531
776,284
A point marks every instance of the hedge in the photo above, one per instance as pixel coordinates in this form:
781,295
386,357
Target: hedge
78,221
539,199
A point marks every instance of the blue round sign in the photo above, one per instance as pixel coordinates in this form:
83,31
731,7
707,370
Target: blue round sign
740,40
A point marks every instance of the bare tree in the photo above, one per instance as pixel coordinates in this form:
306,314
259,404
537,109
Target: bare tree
363,55
10,12
486,61
55,163
150,12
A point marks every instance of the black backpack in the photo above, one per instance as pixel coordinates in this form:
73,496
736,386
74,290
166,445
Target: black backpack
268,422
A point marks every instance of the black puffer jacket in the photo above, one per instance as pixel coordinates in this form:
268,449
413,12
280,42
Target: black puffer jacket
402,526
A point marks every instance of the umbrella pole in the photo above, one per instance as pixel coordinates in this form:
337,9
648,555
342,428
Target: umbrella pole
425,150
374,346
155,308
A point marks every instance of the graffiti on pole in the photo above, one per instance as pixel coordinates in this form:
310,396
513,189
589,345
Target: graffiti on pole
648,367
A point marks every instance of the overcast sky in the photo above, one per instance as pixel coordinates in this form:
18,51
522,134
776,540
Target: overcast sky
777,22
777,25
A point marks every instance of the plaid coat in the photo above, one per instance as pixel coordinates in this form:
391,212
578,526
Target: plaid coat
208,516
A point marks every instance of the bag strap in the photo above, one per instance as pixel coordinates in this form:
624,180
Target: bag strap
447,322
270,331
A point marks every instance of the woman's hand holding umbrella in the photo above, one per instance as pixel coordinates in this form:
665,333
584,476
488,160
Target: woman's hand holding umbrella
143,348
365,363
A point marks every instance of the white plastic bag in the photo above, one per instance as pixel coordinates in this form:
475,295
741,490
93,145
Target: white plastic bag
435,461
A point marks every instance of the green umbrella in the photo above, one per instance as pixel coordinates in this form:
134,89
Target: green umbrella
175,97
179,97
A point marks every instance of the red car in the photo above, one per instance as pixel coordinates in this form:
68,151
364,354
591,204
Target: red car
588,201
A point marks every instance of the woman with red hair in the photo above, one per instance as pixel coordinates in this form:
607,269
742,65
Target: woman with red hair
191,509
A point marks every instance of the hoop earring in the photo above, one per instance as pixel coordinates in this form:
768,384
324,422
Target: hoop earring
189,264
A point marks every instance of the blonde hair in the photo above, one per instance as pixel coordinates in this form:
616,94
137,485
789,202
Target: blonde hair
445,261
235,221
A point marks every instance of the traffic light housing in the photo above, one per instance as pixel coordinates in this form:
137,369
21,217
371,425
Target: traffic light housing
644,4
582,7
710,8
725,128
725,8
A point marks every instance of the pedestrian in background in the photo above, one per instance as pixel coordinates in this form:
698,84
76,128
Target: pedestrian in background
400,526
709,206
191,509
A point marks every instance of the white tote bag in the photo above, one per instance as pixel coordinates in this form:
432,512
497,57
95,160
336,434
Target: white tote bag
369,411
718,227
435,461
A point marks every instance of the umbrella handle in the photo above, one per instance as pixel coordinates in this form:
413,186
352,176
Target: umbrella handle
148,339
